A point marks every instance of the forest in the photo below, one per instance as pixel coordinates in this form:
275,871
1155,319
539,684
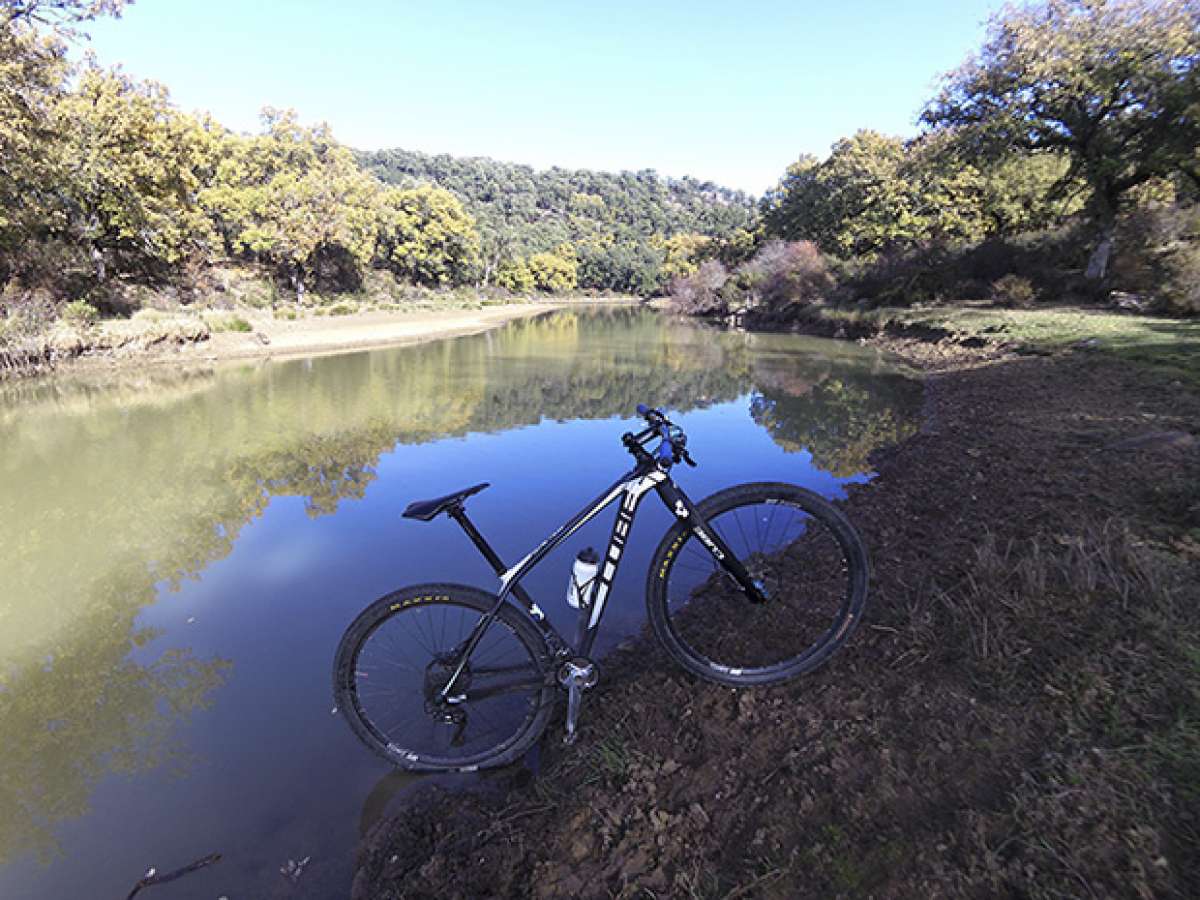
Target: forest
110,191
1060,163
628,232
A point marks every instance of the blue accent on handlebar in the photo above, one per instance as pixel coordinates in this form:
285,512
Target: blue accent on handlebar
666,450
642,409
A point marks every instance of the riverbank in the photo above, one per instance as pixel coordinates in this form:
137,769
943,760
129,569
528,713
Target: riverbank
174,340
1019,715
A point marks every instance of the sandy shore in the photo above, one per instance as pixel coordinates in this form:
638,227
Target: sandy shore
328,334
278,338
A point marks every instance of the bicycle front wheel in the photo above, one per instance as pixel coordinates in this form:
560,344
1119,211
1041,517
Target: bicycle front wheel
396,657
806,559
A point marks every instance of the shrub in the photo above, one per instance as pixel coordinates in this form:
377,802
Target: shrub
1180,292
782,273
699,294
926,274
1013,290
229,323
341,309
80,313
1158,253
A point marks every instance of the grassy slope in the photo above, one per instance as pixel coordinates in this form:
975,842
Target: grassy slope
1172,345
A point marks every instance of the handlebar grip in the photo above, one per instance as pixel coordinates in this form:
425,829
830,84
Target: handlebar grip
643,410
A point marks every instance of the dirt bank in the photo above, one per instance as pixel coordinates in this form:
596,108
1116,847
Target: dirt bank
1018,716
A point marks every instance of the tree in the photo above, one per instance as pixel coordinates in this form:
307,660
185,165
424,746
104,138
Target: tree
427,236
33,73
132,168
874,192
514,275
293,198
59,14
682,254
554,272
1111,83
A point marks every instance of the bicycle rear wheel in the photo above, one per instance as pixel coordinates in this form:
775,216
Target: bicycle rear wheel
805,557
396,656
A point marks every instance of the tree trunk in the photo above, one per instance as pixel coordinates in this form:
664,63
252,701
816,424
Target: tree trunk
98,264
1104,213
298,284
1097,266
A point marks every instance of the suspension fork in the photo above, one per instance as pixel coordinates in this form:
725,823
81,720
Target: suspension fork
685,511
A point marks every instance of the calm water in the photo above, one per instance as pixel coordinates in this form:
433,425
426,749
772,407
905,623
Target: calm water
179,555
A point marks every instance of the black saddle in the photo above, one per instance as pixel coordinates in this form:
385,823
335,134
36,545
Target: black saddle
427,509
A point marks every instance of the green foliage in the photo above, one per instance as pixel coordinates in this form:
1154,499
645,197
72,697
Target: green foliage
81,313
620,267
555,272
426,236
682,254
515,275
1013,290
1113,84
295,199
136,164
620,225
876,193
60,14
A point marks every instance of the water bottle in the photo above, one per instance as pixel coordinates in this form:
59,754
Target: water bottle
583,579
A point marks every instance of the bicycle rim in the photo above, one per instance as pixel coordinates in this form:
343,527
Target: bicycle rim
396,662
808,563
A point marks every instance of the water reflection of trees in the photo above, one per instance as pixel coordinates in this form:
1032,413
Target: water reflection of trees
839,413
90,705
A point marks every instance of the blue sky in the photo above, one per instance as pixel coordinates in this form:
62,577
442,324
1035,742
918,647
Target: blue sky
727,91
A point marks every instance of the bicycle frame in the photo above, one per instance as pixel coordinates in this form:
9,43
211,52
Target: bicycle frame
631,487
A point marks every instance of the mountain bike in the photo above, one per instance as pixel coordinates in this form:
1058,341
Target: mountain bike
754,585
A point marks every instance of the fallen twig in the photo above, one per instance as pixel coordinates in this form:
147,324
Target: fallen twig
152,877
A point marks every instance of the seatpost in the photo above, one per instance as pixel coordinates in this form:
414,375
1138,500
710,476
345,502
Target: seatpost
459,514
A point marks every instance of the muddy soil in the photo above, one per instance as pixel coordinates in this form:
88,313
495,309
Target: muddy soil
1018,715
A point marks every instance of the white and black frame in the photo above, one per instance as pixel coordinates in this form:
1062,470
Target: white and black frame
651,471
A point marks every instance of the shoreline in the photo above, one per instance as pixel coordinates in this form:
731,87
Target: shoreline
271,338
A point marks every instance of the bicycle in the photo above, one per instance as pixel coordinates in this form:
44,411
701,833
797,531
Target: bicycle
447,677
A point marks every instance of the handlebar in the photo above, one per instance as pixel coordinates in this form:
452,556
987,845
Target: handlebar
673,446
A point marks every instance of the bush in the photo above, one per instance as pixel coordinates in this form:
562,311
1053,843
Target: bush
80,313
1180,292
1014,291
783,273
926,275
229,323
553,272
1158,253
699,294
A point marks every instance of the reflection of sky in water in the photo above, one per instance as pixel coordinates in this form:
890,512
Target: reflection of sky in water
269,494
